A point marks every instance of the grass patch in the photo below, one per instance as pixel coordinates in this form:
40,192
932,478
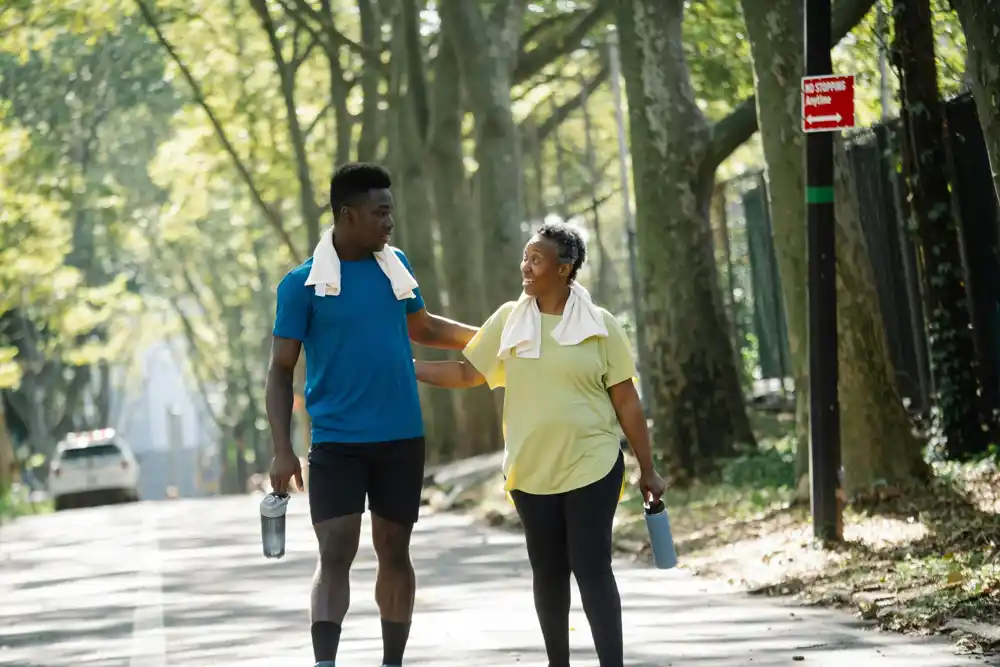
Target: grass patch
18,502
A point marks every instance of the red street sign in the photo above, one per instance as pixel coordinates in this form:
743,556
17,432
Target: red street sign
827,103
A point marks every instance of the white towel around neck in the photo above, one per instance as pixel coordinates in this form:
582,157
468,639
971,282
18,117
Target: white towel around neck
522,334
325,271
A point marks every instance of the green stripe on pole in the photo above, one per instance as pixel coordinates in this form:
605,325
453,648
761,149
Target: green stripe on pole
819,195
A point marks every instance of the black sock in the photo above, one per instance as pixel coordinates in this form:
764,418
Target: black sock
394,636
326,639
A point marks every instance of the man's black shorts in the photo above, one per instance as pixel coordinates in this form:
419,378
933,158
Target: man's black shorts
390,473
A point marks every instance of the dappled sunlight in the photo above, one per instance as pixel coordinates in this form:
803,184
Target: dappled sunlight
879,532
223,603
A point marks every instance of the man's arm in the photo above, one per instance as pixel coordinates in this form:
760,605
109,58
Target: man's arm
280,393
436,331
448,374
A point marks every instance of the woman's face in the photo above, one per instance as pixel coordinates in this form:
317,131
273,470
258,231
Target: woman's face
541,271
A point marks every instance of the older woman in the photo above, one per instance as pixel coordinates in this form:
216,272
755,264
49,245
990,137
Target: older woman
568,372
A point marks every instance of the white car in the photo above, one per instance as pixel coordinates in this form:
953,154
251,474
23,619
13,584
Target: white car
93,468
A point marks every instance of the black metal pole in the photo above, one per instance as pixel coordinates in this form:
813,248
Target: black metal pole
824,406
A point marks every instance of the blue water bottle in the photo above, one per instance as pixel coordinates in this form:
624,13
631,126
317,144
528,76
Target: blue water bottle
661,539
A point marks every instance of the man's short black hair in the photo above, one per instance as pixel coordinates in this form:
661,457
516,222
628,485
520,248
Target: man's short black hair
572,248
353,181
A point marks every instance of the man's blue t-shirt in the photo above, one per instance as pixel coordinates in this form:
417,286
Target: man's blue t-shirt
360,382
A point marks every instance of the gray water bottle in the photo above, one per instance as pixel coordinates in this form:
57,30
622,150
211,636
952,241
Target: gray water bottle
661,538
272,524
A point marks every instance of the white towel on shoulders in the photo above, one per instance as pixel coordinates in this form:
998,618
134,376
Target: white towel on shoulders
522,334
325,272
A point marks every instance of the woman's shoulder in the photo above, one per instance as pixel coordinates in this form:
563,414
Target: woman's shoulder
504,311
609,319
499,317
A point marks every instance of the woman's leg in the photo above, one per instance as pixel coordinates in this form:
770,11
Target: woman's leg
544,521
590,512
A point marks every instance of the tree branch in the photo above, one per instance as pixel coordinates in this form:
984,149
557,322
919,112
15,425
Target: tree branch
562,112
547,79
299,58
303,9
548,23
315,121
269,213
732,132
534,61
318,37
415,73
579,210
286,75
192,338
370,76
740,125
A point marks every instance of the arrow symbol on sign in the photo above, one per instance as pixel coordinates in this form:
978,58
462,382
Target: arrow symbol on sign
835,118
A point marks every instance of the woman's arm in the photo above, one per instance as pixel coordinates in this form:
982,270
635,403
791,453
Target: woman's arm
628,407
448,374
625,399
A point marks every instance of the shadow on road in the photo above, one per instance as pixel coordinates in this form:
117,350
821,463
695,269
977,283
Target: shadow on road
71,588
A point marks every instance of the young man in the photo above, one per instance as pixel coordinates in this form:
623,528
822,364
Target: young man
355,307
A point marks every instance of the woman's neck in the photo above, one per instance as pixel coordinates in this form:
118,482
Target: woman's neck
554,303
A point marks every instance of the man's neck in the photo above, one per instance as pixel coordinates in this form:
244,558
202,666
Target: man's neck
348,252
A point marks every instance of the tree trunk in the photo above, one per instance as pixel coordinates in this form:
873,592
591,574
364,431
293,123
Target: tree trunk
371,80
778,46
952,349
416,213
308,209
487,48
7,461
876,440
696,399
535,207
981,24
604,274
461,242
414,203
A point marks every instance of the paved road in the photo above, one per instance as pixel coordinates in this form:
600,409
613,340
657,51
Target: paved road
183,584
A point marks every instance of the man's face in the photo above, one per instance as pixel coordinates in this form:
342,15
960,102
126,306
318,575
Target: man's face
371,220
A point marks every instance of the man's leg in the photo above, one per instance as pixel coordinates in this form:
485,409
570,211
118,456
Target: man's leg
394,499
338,483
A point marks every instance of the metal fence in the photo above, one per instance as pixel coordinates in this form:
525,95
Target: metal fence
749,268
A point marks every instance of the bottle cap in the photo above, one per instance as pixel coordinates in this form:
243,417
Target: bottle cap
655,507
273,505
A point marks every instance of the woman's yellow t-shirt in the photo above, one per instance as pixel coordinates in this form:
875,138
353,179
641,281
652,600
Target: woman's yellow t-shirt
560,428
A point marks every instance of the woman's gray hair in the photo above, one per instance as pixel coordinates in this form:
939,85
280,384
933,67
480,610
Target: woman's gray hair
571,248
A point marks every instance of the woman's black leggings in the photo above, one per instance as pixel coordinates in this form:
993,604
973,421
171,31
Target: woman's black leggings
571,532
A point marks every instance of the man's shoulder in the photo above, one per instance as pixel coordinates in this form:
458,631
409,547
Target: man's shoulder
297,276
400,254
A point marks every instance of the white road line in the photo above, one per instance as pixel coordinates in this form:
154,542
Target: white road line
149,641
